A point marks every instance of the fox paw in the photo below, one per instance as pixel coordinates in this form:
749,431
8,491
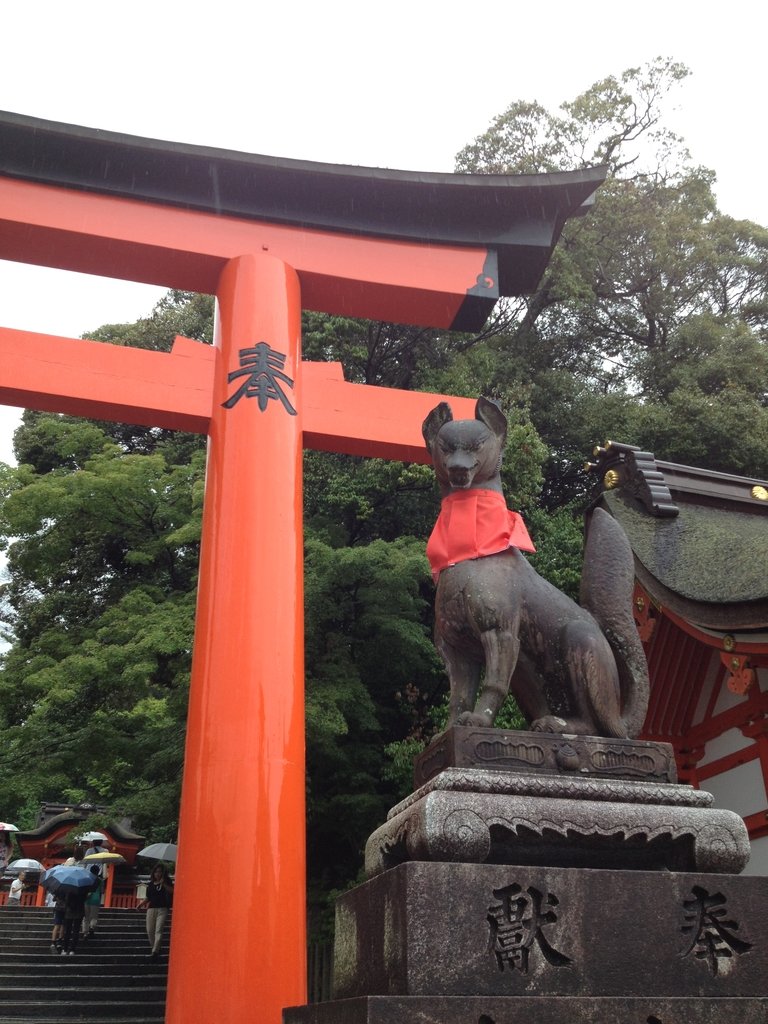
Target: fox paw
472,718
550,723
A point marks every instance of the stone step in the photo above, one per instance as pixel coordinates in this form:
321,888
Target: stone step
21,962
110,978
72,972
57,1011
101,935
125,994
143,1019
57,966
32,942
45,928
30,913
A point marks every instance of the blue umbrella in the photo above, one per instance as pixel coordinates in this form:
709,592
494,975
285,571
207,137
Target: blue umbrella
62,879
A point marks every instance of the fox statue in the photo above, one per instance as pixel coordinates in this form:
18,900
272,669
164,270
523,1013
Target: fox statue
500,627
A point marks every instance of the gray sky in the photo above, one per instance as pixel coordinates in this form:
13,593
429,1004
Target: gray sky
398,84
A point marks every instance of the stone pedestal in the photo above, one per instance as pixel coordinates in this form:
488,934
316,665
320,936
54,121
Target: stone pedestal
504,930
501,944
591,889
476,816
541,753
529,1010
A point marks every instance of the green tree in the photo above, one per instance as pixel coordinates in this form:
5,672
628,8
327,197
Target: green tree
650,318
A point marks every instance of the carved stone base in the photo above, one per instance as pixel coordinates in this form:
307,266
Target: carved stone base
495,930
499,817
542,753
528,1010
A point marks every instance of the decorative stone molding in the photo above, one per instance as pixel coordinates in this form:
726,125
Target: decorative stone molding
492,817
543,753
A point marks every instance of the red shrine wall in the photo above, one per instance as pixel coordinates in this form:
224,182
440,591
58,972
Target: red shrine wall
711,704
725,751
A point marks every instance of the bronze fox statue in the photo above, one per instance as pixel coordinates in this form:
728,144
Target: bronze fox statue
500,627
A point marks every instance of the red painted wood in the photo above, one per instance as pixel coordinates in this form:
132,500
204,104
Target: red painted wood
346,274
238,945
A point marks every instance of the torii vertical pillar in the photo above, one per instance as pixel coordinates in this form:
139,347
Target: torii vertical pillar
238,949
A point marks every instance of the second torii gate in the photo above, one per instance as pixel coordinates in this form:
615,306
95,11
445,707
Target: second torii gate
267,237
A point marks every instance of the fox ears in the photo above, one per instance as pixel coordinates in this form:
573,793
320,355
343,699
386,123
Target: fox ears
486,410
430,428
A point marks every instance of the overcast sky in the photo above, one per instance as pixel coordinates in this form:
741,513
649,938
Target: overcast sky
401,84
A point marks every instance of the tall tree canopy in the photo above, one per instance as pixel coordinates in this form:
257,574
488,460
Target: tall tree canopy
649,326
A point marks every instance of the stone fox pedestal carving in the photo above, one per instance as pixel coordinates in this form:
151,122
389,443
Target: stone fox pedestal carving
500,627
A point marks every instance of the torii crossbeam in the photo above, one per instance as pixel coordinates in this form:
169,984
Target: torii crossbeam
266,236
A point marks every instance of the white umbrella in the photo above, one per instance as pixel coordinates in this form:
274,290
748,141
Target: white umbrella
89,837
159,851
7,827
24,864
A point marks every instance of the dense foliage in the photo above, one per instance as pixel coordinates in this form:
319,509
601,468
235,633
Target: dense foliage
649,326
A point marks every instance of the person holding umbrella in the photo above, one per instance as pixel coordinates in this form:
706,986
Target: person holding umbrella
72,885
92,905
74,911
17,888
96,839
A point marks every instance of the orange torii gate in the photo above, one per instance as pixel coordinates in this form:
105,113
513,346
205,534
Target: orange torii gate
267,236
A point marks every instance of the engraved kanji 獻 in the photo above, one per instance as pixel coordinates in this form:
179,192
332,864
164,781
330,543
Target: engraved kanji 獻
517,924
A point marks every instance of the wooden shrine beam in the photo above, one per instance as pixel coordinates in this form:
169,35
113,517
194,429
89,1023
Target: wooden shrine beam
162,245
435,250
173,390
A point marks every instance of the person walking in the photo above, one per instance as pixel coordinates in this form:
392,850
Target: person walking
57,934
92,905
158,902
74,909
97,847
17,888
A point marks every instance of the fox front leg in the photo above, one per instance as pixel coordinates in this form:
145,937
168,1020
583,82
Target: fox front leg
501,648
463,677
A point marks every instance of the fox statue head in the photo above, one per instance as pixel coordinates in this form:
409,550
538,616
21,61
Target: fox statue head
466,453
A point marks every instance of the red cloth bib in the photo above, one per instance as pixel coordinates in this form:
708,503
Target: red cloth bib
472,524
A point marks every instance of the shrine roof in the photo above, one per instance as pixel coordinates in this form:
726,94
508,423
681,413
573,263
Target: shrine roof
519,217
47,839
700,538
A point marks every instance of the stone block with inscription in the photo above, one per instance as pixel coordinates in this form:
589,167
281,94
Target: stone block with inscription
504,930
529,1010
504,944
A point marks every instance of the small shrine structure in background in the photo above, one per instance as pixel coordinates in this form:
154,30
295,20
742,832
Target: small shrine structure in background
56,837
700,541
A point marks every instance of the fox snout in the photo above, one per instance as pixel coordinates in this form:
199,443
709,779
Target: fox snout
461,467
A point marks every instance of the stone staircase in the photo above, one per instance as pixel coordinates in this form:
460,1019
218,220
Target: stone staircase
110,979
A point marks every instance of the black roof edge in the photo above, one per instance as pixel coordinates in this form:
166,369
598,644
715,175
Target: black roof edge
657,483
518,216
